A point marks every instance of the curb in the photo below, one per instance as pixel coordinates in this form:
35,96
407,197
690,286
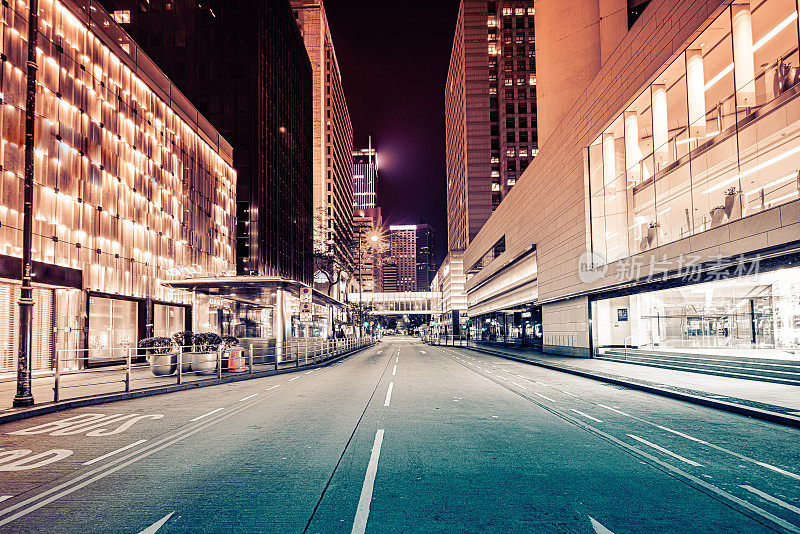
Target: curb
755,413
92,400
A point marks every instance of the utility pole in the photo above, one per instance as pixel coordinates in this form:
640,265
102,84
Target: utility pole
24,396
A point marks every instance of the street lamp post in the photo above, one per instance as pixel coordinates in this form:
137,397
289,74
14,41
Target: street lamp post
24,396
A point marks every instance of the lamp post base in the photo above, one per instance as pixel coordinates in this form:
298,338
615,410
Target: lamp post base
23,401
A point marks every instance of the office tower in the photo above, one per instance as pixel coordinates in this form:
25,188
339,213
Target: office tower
365,177
426,265
366,224
333,136
244,65
389,276
490,111
403,250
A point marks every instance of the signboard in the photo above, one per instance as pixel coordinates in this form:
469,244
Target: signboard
622,314
306,298
305,294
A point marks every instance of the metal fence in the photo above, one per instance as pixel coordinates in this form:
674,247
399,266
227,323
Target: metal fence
125,369
451,341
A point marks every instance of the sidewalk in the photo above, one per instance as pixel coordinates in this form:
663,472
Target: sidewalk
780,399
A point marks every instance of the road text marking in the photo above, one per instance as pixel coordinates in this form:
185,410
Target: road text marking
112,453
665,451
152,529
598,528
389,394
362,512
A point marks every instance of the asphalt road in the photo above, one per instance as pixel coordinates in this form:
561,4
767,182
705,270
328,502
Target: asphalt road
402,437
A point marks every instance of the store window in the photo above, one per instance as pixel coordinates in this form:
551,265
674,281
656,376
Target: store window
168,319
113,328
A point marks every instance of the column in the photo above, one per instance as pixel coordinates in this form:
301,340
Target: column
695,86
633,154
743,63
660,125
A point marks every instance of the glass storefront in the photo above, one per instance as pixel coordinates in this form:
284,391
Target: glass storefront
755,313
168,319
716,136
113,324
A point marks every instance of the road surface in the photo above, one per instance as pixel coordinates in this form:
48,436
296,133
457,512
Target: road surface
402,437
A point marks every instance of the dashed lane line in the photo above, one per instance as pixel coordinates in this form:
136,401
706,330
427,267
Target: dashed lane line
389,394
362,511
519,385
248,397
598,527
770,498
586,415
112,453
152,529
665,451
394,371
544,396
614,410
272,387
4,497
293,379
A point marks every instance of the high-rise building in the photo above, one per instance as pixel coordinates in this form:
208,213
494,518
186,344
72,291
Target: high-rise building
389,276
333,136
365,177
366,224
490,111
133,189
426,265
403,250
244,65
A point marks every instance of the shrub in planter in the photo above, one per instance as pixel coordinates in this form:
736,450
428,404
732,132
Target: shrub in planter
204,358
161,354
185,342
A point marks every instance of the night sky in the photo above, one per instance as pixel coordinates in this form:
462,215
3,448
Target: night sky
393,57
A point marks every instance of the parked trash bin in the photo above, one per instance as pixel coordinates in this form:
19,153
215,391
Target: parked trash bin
236,361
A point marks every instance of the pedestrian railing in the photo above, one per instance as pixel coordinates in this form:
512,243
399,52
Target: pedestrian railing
81,372
447,340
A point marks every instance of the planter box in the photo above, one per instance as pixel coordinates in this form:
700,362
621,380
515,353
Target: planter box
163,364
202,363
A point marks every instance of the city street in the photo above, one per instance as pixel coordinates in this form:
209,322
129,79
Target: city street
402,437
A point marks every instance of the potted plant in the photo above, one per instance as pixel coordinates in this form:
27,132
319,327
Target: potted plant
204,357
734,203
185,341
161,355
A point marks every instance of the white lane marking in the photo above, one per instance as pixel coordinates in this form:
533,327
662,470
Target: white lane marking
308,372
295,378
665,451
544,397
248,397
681,434
362,511
152,529
501,377
770,498
397,359
4,497
205,415
614,410
568,393
506,370
520,376
778,470
586,415
112,453
423,352
542,384
273,387
389,394
520,386
380,351
598,528
394,371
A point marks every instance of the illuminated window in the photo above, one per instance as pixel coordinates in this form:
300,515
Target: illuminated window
511,181
507,11
495,159
508,82
523,152
494,50
495,174
531,11
519,11
495,186
531,79
520,80
122,16
492,23
493,90
510,152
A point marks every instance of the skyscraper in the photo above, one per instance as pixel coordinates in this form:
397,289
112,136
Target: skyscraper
490,111
245,67
365,177
366,223
403,250
333,136
426,265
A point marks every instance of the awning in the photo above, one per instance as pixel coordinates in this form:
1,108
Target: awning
254,290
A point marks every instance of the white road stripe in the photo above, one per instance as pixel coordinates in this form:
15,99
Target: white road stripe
423,352
309,372
681,434
394,371
248,397
770,498
519,385
502,377
568,393
362,511
295,378
665,451
614,410
4,497
779,470
586,415
544,397
542,384
389,394
206,415
112,453
152,529
598,528
397,359
272,387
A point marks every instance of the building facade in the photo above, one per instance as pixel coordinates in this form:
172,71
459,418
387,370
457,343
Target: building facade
490,111
449,282
365,177
245,67
133,188
426,264
403,250
662,211
332,136
367,224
